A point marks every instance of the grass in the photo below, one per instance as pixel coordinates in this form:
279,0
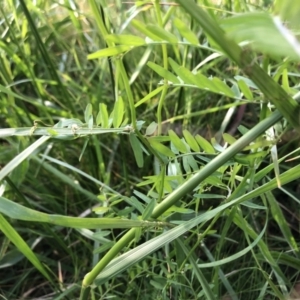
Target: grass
108,204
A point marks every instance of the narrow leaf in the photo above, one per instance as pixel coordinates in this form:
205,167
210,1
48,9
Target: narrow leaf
143,29
151,128
281,221
112,51
22,156
118,113
274,156
88,112
124,39
102,117
245,89
162,33
83,148
150,95
185,31
222,88
177,142
163,72
205,83
204,144
137,150
186,75
191,141
17,240
90,122
149,209
161,148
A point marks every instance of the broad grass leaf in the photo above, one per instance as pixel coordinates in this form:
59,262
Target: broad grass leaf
102,116
205,145
124,39
163,72
183,29
111,51
137,150
19,212
118,113
191,141
177,142
162,33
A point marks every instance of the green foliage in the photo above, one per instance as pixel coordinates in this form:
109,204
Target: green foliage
138,186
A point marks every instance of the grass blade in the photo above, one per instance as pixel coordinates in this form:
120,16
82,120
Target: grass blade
17,240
